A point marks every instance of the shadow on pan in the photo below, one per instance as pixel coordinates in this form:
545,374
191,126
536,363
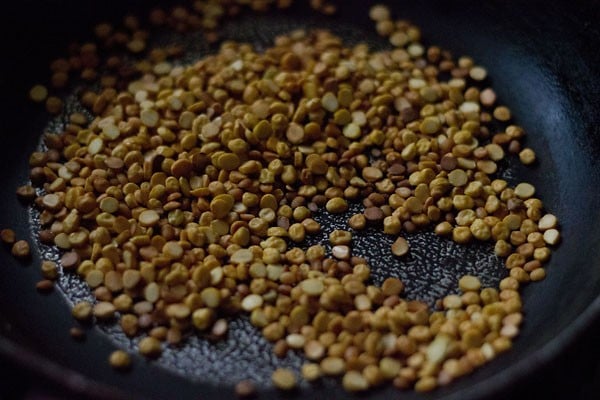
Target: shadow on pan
542,62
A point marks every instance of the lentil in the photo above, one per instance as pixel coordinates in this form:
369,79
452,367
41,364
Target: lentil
44,286
245,389
527,156
38,93
337,205
195,222
552,236
150,347
311,372
354,381
119,359
77,333
400,247
82,311
8,236
548,221
469,283
104,310
284,379
149,218
524,190
357,221
49,270
20,249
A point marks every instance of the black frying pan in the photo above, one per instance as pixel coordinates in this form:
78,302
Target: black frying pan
543,62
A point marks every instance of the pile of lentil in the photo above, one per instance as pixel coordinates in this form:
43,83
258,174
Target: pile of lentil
186,197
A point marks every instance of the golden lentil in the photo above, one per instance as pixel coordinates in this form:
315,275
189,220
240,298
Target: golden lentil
77,333
284,379
38,93
150,347
337,205
20,249
311,372
82,311
245,389
527,156
354,381
199,209
400,247
119,359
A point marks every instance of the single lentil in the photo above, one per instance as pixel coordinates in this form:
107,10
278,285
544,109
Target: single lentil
284,379
119,359
20,249
245,388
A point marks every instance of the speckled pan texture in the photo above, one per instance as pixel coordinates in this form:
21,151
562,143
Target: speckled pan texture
542,62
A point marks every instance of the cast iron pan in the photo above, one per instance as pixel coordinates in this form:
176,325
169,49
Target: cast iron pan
543,62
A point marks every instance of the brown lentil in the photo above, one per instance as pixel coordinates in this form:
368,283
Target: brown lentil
44,286
222,183
26,193
77,333
245,389
357,222
8,236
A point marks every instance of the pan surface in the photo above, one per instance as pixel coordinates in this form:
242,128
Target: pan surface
542,62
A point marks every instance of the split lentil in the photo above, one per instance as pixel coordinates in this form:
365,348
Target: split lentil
245,389
180,192
8,236
20,249
77,333
119,359
284,379
45,285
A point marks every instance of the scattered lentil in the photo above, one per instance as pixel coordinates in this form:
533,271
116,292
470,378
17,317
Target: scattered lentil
119,359
209,185
527,156
8,236
20,249
245,389
44,286
38,93
77,333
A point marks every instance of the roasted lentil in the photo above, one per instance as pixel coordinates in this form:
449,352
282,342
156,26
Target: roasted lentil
219,189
